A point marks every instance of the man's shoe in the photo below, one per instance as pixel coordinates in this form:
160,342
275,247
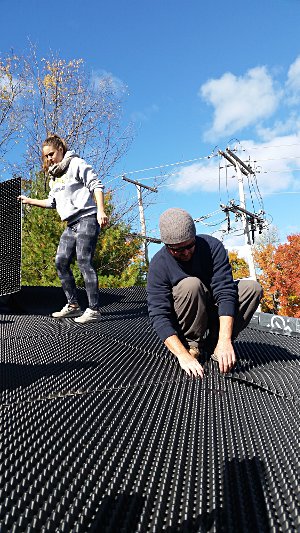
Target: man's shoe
198,353
194,351
68,311
89,315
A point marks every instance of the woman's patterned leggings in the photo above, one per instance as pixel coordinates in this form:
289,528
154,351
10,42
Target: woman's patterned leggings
80,239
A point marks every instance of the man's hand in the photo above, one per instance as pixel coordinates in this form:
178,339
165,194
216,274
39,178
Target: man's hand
187,361
190,365
225,354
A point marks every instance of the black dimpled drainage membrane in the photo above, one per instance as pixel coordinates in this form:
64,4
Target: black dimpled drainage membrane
10,242
102,431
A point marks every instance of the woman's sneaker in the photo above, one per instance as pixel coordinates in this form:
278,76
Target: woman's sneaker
68,311
89,315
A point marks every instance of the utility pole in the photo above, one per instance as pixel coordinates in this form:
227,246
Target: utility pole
242,169
139,187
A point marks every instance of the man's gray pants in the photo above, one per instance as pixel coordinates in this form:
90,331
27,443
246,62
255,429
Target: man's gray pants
198,316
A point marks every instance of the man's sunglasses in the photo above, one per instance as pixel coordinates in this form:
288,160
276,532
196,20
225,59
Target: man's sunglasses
182,248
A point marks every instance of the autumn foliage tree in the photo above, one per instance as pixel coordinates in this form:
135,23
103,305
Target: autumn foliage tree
39,96
287,277
280,276
264,259
82,107
239,266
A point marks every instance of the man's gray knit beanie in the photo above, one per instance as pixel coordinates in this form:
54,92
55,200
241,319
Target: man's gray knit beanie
176,225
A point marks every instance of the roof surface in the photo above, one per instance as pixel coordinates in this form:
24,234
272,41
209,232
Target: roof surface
102,431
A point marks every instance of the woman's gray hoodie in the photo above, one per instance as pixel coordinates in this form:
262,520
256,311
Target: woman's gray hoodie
71,185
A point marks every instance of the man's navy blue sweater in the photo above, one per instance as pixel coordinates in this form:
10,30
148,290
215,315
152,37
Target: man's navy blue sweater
209,263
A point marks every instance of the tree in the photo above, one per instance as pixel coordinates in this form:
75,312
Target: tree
41,230
264,250
239,266
264,259
86,110
269,235
117,259
279,276
81,107
12,89
287,277
56,95
60,96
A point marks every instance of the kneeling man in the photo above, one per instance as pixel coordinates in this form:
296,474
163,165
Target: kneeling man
193,301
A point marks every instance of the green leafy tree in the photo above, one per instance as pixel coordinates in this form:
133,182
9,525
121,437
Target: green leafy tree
41,230
117,258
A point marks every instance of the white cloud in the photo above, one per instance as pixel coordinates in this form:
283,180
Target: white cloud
196,177
289,125
103,80
252,100
145,115
240,101
293,82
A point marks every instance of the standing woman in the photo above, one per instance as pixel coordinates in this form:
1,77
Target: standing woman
73,184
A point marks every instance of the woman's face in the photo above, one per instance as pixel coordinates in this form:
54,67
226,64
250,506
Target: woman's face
52,155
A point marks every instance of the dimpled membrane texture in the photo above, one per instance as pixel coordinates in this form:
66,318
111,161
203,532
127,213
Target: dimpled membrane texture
10,241
103,432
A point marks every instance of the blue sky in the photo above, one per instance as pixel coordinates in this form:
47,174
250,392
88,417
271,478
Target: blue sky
200,77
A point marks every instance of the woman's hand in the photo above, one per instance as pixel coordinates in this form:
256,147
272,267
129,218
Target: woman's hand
24,199
102,219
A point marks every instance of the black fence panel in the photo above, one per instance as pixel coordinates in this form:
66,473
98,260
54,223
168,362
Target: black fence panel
10,237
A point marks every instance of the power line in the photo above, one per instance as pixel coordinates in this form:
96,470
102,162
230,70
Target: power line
163,166
209,179
283,192
186,161
166,165
245,168
272,171
271,146
276,159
